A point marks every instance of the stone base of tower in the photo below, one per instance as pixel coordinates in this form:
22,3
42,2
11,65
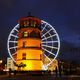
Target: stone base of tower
29,65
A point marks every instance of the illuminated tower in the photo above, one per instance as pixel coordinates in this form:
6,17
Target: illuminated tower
29,51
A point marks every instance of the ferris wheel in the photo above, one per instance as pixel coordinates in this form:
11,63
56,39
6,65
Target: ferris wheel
49,39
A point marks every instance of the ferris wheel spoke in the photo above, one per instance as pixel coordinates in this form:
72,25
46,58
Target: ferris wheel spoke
16,30
50,46
44,27
13,41
14,53
48,51
46,32
49,37
14,35
13,47
49,42
47,57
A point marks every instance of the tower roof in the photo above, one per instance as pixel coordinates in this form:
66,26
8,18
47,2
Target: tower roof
30,17
29,21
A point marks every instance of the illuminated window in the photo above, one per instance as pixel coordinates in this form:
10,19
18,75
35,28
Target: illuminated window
25,25
35,24
25,34
24,56
32,23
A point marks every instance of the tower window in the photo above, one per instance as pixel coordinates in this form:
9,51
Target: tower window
25,25
40,56
35,24
25,34
24,56
24,44
33,34
40,46
32,23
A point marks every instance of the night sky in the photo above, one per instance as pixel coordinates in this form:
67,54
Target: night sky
64,15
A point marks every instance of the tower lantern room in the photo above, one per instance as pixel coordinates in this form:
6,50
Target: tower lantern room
29,51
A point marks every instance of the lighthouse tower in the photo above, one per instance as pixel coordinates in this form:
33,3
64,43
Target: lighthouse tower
29,51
